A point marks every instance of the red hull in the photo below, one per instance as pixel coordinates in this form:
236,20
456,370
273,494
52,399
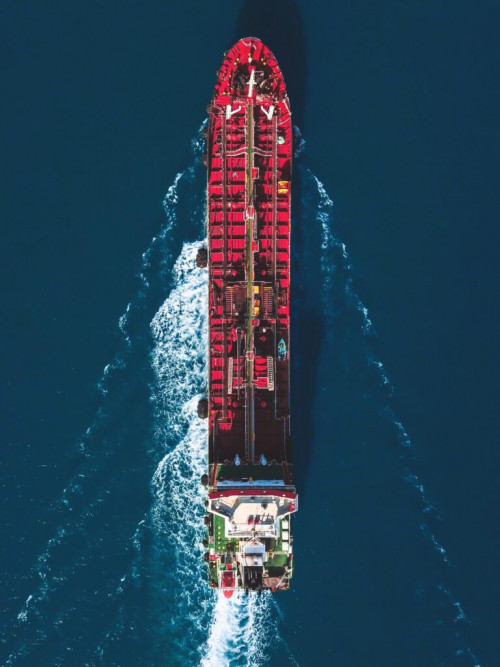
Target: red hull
249,176
249,160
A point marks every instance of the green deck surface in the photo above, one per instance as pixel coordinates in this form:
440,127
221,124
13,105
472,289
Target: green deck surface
277,560
221,540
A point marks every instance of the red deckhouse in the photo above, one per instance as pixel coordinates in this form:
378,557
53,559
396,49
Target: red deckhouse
249,160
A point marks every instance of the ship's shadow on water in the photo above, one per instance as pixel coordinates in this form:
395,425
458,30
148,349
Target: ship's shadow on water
308,324
355,460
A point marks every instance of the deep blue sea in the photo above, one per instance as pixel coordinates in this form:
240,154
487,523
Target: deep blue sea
395,334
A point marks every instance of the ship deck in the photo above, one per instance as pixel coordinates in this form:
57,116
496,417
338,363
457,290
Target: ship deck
249,173
251,495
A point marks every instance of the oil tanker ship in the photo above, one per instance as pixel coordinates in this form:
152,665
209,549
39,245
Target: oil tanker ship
251,492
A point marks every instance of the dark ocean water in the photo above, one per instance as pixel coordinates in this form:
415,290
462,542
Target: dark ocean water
395,325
